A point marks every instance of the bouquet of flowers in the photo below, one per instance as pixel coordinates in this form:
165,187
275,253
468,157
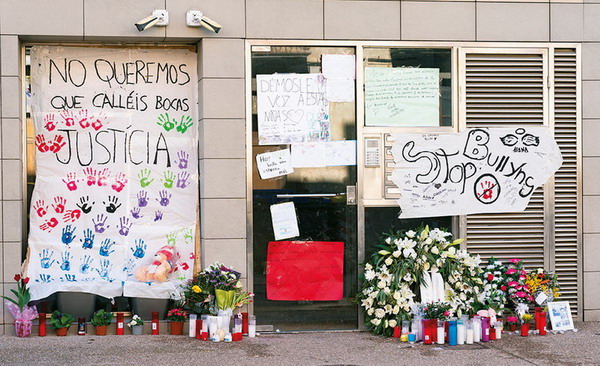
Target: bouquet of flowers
135,320
494,293
394,275
540,281
518,291
18,308
437,310
199,294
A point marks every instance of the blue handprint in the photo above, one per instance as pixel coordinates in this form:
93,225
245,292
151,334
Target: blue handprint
105,267
67,234
45,278
46,258
88,239
68,278
140,248
124,225
105,247
66,261
85,264
129,267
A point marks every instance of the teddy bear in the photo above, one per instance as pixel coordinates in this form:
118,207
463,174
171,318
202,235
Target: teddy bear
160,268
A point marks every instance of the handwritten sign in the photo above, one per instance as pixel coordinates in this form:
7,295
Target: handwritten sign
305,271
292,108
274,163
285,222
116,168
322,154
476,171
402,97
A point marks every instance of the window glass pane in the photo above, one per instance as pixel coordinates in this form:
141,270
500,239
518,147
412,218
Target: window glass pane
407,87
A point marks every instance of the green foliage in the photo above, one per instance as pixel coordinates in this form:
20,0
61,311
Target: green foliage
60,320
102,317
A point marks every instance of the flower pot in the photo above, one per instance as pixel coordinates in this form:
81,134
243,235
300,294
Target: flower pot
23,328
61,332
78,304
137,329
176,328
512,327
100,330
525,329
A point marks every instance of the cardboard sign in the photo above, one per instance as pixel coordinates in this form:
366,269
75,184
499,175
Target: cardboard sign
305,271
476,171
116,168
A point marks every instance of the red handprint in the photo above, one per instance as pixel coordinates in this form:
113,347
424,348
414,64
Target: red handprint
49,225
120,182
59,204
103,177
40,143
71,181
40,208
98,122
83,118
487,190
72,215
50,122
67,115
57,144
184,266
91,175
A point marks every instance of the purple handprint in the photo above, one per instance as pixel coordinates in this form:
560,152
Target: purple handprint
124,225
99,224
135,213
142,197
182,163
158,216
165,198
182,179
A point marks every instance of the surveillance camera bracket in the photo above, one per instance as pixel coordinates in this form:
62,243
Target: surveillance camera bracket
163,17
193,18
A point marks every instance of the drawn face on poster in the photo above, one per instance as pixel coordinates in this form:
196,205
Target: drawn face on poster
116,173
475,171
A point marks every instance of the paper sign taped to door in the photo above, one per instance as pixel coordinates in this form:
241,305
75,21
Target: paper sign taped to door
322,154
285,222
305,271
274,163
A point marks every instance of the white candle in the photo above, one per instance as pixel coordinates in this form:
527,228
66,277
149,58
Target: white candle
498,333
460,334
477,331
440,335
469,336
193,325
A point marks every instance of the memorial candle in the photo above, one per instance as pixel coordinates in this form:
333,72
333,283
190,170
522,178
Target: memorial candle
441,329
42,325
469,332
460,332
476,329
452,333
154,323
485,329
120,324
193,318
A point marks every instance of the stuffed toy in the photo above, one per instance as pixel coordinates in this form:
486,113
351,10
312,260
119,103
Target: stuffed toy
160,268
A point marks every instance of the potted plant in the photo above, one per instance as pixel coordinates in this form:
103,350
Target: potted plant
101,319
61,322
526,318
512,323
176,318
18,308
137,325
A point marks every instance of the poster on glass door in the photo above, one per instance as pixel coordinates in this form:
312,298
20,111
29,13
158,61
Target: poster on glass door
116,170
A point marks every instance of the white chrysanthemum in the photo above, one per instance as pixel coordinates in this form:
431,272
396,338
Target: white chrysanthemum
370,274
379,313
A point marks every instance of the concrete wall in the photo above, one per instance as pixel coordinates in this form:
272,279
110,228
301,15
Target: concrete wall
221,71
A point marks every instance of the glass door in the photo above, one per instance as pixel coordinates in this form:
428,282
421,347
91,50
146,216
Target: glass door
297,284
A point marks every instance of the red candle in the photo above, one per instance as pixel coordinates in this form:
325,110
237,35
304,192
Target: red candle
154,323
198,328
204,336
245,323
397,331
492,334
542,323
42,323
538,311
120,324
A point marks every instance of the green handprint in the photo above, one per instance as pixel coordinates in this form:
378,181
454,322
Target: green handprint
172,238
169,178
165,121
143,175
187,236
184,124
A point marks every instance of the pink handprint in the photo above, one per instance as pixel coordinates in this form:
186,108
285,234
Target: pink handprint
67,115
57,144
83,118
97,122
71,181
40,208
103,177
59,204
50,123
120,182
72,215
40,143
91,174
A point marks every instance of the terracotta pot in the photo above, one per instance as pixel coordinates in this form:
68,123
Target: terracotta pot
525,329
176,328
512,327
61,332
100,330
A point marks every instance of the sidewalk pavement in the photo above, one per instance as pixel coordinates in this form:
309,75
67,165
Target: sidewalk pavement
309,348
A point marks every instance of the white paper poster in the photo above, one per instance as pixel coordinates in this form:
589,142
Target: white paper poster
322,154
285,222
476,171
402,96
274,163
116,168
292,108
340,90
338,66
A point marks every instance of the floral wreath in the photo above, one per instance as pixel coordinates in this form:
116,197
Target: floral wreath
394,276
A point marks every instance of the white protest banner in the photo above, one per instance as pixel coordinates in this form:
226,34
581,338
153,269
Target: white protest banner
292,108
116,169
274,163
402,96
476,171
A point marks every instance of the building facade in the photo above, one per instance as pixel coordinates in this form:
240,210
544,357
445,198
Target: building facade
508,64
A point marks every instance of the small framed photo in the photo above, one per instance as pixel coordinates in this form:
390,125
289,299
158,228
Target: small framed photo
560,315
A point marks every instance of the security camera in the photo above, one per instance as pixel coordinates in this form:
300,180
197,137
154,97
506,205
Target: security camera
158,17
196,18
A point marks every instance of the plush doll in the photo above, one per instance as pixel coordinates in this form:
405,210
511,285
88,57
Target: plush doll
160,268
